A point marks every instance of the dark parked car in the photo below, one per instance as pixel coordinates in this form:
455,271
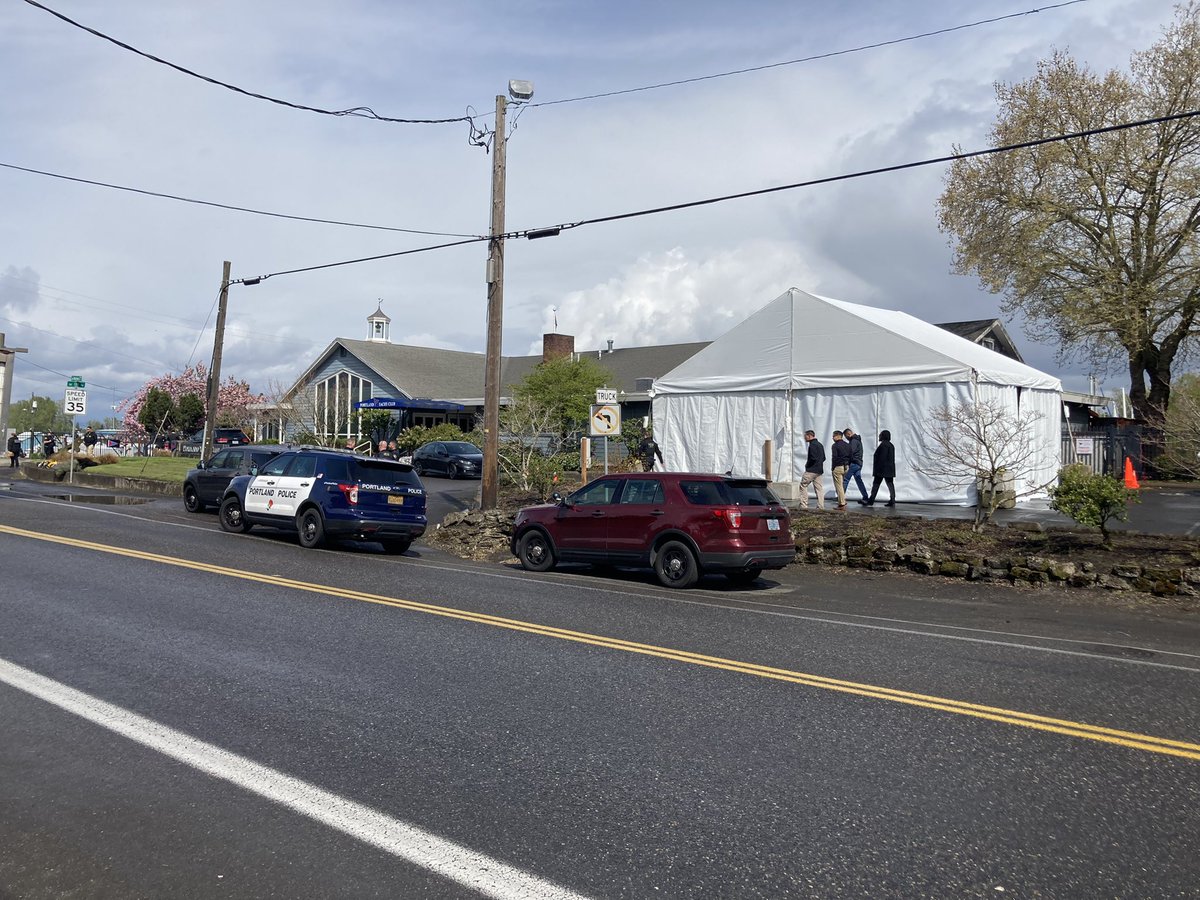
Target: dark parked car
328,494
680,524
454,459
205,485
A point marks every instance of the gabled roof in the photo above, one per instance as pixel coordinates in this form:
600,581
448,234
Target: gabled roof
801,340
976,330
458,375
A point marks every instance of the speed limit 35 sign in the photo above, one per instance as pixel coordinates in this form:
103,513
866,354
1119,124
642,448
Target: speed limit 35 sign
75,403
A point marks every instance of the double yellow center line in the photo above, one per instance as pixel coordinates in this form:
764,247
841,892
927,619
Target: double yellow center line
1128,739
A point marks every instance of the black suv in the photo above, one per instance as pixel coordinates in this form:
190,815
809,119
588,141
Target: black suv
327,494
205,485
453,459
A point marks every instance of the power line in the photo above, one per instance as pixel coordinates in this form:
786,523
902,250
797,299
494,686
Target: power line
363,111
953,157
29,362
245,209
548,231
77,340
350,262
792,62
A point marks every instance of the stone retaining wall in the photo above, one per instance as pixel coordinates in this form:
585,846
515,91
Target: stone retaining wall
888,556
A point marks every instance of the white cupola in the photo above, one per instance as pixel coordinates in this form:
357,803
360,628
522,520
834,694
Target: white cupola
379,326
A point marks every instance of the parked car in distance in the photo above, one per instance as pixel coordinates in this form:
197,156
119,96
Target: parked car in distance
205,485
454,459
680,524
229,436
323,494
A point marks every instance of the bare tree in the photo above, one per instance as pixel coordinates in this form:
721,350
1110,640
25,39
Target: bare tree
528,430
1181,428
981,443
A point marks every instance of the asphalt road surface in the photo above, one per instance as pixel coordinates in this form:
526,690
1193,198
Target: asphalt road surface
188,713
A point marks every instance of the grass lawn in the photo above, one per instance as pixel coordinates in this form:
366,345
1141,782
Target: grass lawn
157,468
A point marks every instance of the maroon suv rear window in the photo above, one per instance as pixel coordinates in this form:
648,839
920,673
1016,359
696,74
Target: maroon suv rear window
751,493
703,493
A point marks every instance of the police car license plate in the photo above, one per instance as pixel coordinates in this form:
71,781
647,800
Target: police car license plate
395,500
772,524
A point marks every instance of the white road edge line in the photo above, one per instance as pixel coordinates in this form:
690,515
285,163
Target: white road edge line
474,870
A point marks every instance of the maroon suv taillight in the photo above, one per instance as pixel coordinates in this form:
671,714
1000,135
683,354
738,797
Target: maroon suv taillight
732,516
350,492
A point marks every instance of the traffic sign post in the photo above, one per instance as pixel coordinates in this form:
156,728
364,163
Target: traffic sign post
74,404
605,422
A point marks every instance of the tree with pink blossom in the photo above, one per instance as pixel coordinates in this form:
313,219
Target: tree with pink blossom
233,400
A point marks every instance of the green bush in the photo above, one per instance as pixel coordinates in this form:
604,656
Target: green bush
1090,499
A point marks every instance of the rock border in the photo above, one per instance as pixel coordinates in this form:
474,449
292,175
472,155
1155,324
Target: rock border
857,552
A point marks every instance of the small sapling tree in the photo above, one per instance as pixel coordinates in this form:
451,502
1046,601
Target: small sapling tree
1091,499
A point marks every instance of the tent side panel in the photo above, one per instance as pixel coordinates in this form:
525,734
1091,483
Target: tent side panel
721,432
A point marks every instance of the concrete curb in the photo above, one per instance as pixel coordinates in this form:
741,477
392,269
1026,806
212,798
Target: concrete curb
89,478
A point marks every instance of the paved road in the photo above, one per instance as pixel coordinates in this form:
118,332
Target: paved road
287,718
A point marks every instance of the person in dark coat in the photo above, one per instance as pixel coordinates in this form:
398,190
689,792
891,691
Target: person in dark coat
856,462
883,468
647,450
15,452
48,444
89,439
814,468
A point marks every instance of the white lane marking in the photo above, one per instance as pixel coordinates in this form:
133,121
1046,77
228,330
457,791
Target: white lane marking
477,871
565,579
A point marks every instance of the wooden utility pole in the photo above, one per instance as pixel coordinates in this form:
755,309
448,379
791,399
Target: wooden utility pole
489,489
214,371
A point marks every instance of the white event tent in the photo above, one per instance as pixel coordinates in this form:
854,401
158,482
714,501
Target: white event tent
805,361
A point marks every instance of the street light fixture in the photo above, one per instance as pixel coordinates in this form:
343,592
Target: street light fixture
520,91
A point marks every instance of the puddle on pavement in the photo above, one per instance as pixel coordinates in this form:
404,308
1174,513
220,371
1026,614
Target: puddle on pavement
103,499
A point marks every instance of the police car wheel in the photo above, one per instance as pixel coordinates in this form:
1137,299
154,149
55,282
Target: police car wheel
231,516
535,553
312,528
675,565
191,502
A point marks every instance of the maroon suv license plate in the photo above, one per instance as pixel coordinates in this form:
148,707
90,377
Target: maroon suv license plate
395,500
772,524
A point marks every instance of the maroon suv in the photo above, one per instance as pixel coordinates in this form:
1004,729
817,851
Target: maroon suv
680,524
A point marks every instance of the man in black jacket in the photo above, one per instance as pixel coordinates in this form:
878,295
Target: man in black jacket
15,451
814,468
856,462
841,464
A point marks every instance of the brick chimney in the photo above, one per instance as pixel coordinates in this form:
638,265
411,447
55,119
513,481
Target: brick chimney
557,346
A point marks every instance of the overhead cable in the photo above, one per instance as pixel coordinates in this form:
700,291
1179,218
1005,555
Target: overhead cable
550,230
792,62
349,262
244,209
364,111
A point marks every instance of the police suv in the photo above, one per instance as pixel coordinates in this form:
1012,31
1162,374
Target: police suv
324,494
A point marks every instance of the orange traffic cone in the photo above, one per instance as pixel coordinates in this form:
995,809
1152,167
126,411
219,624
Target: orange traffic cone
1131,481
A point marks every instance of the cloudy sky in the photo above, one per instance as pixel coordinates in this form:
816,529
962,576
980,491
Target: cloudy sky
120,287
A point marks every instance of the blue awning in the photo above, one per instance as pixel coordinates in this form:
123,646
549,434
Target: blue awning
408,403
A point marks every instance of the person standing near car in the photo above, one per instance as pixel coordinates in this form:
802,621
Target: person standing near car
647,450
856,462
814,468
